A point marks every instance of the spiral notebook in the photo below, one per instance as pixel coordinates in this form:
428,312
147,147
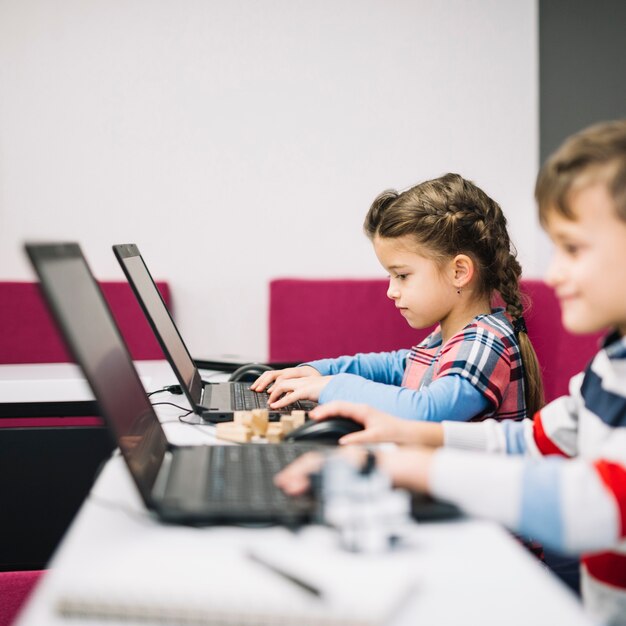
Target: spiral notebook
139,584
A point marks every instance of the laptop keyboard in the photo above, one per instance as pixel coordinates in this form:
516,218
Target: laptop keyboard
235,483
244,399
241,476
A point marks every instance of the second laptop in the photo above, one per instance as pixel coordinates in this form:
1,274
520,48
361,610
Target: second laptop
214,402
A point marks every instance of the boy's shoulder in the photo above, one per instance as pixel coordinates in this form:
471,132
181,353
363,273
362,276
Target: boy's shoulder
614,345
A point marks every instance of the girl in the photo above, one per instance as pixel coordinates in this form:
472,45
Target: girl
445,245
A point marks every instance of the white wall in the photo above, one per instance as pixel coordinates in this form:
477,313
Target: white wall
239,141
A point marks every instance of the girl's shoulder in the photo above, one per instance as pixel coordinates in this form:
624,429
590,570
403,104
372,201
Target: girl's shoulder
494,327
490,329
496,323
431,341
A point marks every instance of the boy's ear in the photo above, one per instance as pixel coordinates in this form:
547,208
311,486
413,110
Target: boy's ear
463,270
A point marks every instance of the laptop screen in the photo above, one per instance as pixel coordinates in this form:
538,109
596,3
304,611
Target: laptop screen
160,319
93,338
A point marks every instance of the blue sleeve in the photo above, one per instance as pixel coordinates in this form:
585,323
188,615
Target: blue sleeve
447,398
514,436
383,367
541,515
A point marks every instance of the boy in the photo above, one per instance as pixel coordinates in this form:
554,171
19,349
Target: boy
574,500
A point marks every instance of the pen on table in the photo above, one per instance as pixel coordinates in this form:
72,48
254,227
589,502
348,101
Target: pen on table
296,580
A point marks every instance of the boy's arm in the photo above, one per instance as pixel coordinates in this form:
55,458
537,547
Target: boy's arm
383,367
572,506
450,397
554,430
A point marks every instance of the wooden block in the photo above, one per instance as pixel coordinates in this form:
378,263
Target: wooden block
275,433
287,423
260,420
230,431
298,418
242,417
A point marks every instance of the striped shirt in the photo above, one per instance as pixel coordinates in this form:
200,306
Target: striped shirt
486,353
573,499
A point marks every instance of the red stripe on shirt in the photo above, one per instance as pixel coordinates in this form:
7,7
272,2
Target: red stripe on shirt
614,478
607,567
544,443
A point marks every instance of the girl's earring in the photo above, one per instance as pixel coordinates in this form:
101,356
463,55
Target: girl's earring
459,291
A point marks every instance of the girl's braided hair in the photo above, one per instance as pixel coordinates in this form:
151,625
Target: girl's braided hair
450,215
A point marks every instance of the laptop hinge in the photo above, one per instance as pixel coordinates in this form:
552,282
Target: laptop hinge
205,396
160,484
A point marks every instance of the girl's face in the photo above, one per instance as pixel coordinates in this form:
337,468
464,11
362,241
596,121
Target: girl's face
418,287
587,270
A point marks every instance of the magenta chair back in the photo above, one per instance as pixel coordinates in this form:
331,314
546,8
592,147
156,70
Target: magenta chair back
316,318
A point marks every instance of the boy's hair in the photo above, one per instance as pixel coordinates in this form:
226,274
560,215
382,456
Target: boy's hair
450,215
597,153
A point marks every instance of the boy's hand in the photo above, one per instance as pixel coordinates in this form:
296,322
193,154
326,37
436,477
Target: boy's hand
407,467
294,479
267,378
288,390
380,427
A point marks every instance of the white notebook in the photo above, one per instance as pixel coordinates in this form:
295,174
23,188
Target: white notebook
226,586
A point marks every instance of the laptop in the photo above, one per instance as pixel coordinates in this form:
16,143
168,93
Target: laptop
214,402
181,484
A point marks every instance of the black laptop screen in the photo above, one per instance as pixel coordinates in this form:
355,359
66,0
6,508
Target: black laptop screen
92,336
160,319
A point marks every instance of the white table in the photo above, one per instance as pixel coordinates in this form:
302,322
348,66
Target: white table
466,571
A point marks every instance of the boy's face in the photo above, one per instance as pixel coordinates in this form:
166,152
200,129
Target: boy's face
588,270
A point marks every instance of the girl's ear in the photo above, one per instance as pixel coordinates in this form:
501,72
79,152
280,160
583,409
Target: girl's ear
463,270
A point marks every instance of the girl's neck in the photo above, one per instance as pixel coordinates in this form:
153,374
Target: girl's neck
461,316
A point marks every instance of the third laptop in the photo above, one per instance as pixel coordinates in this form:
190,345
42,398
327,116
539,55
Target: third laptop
215,402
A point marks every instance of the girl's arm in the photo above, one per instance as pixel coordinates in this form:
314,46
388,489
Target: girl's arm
382,367
448,398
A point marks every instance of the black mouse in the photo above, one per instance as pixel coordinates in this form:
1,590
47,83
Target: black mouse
249,372
327,431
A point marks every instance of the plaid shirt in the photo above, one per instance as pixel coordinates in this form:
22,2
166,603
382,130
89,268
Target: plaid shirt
486,353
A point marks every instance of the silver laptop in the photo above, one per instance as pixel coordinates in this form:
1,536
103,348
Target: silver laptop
183,484
214,402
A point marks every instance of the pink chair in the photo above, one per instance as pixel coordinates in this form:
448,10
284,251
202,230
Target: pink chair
15,587
316,318
29,334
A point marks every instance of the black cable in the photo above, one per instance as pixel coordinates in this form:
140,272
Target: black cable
173,389
198,427
182,408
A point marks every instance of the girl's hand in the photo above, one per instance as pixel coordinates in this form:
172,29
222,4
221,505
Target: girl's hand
285,391
379,426
267,378
407,467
